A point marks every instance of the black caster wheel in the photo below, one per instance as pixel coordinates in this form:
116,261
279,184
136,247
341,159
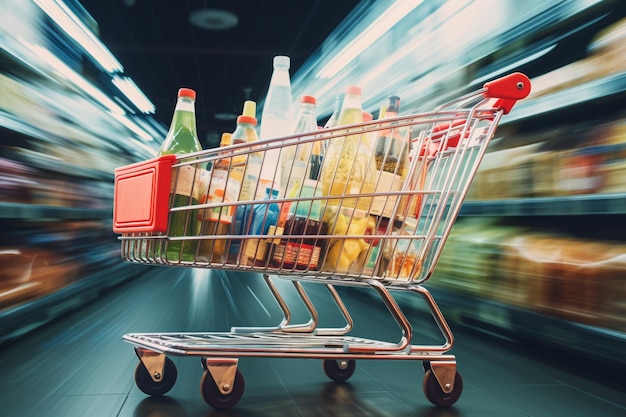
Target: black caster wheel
339,371
435,394
148,386
215,398
426,365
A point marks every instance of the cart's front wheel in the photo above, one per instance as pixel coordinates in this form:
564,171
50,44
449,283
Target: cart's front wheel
149,386
436,395
339,370
215,398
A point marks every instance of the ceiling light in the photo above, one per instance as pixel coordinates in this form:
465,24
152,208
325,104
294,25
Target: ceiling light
225,116
367,37
213,19
76,29
134,94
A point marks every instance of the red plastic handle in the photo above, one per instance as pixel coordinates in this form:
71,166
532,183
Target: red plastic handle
515,86
141,197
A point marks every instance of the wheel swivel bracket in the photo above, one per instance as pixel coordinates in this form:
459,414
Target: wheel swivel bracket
153,361
223,371
445,372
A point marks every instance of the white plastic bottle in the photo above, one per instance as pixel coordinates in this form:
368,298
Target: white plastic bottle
277,117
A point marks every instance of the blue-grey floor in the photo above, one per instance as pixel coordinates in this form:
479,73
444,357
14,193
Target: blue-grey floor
79,366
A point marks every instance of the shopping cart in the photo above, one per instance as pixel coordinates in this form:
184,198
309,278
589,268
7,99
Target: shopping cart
398,247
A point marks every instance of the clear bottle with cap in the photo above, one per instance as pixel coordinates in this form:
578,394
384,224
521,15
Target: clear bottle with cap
216,221
295,159
245,169
182,138
277,117
392,153
392,161
348,168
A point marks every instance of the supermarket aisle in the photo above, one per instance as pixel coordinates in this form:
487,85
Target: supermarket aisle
79,366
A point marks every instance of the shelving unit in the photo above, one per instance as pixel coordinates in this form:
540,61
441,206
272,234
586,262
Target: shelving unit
503,320
60,109
21,211
604,88
588,204
593,98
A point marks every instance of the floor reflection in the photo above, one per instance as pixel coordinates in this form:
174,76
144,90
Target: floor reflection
160,407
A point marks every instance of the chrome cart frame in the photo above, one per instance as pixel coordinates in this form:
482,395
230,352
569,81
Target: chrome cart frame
447,146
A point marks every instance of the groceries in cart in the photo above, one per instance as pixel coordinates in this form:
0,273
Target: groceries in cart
367,198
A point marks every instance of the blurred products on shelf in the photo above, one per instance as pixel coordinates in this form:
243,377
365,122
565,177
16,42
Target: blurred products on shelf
568,277
573,160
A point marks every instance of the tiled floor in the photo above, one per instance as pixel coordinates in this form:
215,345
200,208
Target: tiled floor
79,366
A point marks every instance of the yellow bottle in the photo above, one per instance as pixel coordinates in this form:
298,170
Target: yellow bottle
348,168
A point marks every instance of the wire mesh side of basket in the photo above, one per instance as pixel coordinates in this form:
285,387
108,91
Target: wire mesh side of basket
398,239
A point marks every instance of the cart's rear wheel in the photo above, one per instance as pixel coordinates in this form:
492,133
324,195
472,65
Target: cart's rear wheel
214,397
148,386
339,370
435,394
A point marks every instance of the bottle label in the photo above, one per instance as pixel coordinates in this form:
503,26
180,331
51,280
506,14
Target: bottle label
298,254
255,250
185,182
222,189
383,205
248,173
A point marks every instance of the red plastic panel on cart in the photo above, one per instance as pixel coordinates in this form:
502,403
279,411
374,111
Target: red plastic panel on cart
141,198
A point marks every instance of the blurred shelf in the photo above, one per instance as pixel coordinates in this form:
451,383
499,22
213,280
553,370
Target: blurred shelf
518,323
8,121
610,86
548,206
28,316
43,213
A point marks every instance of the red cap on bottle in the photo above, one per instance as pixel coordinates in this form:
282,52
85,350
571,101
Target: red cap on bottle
309,99
354,90
187,92
246,119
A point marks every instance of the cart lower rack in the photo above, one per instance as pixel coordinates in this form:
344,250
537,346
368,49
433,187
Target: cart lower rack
387,236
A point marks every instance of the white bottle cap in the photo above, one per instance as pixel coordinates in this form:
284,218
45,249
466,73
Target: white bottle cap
282,60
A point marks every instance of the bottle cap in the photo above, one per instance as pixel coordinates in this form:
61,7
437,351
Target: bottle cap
394,104
187,92
367,117
249,108
246,119
282,61
309,99
354,90
227,139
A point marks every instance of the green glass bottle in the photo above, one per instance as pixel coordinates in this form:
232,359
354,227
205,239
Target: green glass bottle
182,138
